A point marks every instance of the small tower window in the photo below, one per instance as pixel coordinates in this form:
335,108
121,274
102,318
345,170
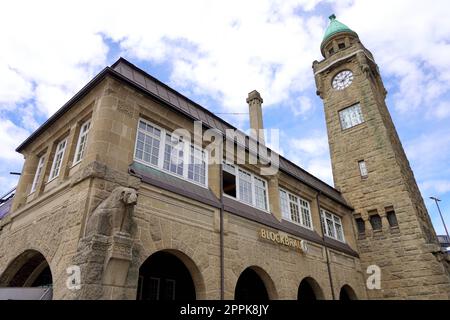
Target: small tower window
341,45
363,169
331,51
361,225
351,116
375,221
391,217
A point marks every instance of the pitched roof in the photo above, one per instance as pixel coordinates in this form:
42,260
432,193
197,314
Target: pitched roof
127,72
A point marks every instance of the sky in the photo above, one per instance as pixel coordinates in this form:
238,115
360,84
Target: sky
216,52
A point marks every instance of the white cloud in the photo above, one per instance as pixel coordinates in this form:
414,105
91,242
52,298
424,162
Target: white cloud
13,87
316,145
10,134
410,42
442,110
312,154
302,106
10,160
439,186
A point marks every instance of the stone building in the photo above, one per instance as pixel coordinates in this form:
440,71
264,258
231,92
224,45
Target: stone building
105,208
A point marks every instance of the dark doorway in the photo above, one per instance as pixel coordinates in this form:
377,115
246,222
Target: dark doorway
250,287
165,277
309,290
306,292
347,294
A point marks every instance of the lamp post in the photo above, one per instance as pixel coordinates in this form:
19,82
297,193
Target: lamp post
440,213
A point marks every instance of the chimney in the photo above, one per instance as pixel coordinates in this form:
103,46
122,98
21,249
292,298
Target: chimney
254,101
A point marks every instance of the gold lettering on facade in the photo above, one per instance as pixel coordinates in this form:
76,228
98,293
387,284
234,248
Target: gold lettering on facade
281,238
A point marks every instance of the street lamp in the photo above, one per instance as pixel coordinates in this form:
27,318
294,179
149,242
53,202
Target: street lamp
440,213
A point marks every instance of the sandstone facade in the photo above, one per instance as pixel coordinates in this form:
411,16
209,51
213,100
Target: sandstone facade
52,220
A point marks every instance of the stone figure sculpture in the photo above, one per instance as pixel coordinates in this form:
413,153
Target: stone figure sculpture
114,214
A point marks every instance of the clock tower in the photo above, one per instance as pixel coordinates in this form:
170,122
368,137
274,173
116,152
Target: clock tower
372,171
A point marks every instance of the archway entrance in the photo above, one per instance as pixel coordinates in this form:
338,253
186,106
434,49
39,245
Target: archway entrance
347,294
250,287
163,276
309,290
29,277
30,269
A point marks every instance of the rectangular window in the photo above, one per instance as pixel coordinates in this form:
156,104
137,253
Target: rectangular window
157,148
154,285
260,194
391,217
82,140
293,205
229,180
197,166
375,220
295,209
173,155
332,225
361,225
285,205
148,143
57,160
245,187
351,116
363,169
170,290
38,174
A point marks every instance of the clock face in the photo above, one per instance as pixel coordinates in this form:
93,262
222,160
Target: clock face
342,80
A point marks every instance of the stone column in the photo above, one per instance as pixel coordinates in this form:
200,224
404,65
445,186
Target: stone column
45,169
214,178
25,181
315,216
274,196
67,162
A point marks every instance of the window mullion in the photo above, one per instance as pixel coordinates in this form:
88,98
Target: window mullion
253,190
162,143
187,159
300,211
238,188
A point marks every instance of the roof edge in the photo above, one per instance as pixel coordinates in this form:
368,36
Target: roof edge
77,97
110,71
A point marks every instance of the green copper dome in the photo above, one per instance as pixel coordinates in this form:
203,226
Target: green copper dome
335,27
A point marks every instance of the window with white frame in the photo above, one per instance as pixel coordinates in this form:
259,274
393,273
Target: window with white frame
245,187
332,225
57,159
173,155
38,174
158,148
148,143
197,166
295,209
363,169
351,116
82,140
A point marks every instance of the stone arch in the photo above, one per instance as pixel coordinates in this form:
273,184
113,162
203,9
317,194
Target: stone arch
347,293
28,269
185,261
310,290
264,277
